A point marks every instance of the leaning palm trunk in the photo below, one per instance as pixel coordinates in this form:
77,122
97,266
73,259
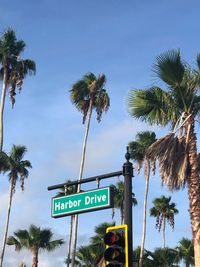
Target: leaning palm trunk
35,257
3,95
194,189
70,241
80,177
7,221
147,175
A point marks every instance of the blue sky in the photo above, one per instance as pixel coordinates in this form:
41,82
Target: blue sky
68,39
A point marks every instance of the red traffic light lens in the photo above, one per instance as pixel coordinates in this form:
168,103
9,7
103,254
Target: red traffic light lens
111,238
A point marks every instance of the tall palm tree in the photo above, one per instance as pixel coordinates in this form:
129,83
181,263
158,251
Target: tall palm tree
138,150
178,105
164,212
17,169
119,199
186,252
34,239
13,70
69,191
88,94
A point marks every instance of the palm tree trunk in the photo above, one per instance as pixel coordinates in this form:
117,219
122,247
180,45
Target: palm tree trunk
3,95
164,227
80,177
194,189
35,257
147,175
70,240
7,222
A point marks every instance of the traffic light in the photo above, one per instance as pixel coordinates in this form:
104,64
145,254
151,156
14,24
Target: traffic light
116,241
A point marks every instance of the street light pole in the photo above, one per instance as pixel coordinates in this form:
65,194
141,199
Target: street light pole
128,174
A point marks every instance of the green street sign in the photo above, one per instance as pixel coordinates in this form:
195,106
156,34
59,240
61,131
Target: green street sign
82,202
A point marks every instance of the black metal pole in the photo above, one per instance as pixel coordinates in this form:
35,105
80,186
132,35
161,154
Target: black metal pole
128,174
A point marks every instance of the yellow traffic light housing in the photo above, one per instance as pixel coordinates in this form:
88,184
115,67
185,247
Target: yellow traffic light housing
116,241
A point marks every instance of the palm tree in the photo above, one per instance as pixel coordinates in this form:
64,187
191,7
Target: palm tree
68,191
119,200
146,262
17,169
163,211
86,256
13,70
186,252
162,257
178,105
137,150
34,239
87,94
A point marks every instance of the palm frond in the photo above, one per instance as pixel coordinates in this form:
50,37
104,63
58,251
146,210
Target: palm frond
26,164
100,83
54,244
153,105
11,240
34,231
169,67
18,72
89,78
166,150
23,238
4,162
28,67
17,152
45,236
101,103
19,47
